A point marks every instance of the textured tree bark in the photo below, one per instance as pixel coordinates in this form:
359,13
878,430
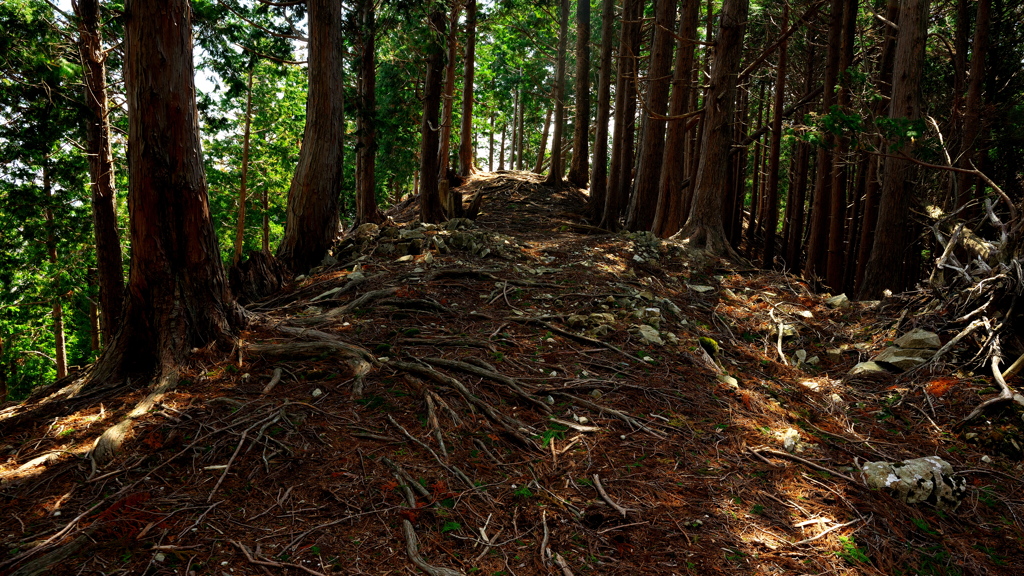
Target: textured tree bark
490,146
538,167
817,243
515,131
467,162
668,217
888,267
972,109
501,153
599,178
704,231
243,181
60,352
872,186
754,219
177,297
625,116
430,200
771,220
312,218
367,210
521,134
101,168
839,177
643,201
579,170
555,174
448,98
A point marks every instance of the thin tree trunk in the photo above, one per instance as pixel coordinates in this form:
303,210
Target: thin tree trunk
555,174
755,178
599,178
539,166
704,229
888,266
579,170
177,297
243,183
972,111
109,263
668,217
490,146
312,221
817,244
733,208
839,176
430,199
501,154
515,131
448,98
521,134
60,354
367,210
771,220
467,162
625,116
644,200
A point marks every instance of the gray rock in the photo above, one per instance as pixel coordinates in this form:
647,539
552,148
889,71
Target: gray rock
729,381
411,234
601,331
866,368
601,318
576,321
788,331
458,224
919,339
649,335
699,288
840,301
904,358
929,479
328,260
368,230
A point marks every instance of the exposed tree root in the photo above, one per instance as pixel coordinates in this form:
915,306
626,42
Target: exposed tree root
491,375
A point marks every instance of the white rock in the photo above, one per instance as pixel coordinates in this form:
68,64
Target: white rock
699,288
905,358
810,385
318,393
929,479
840,301
919,339
866,368
790,439
649,335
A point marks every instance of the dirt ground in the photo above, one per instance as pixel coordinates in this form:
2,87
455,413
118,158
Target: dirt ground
514,420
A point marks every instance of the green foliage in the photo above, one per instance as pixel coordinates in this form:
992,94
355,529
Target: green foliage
851,552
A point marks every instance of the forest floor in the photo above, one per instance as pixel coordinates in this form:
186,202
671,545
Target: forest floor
490,405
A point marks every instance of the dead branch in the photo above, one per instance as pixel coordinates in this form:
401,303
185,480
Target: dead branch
606,497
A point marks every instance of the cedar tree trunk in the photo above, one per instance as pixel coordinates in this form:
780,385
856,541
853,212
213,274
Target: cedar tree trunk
430,199
366,152
555,175
312,222
599,179
579,170
467,162
243,182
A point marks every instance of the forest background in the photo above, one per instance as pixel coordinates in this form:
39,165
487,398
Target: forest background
821,174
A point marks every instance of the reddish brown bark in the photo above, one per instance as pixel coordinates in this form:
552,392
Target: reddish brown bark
312,219
448,97
599,178
367,210
555,173
430,199
467,162
643,201
771,219
620,172
704,229
668,217
891,254
244,180
101,168
972,110
177,297
538,167
579,169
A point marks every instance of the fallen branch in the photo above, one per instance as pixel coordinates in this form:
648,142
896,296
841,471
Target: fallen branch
606,497
577,337
252,560
604,409
1005,393
803,461
491,375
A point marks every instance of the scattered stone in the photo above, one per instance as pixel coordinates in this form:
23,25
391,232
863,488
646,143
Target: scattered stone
328,261
811,385
601,318
812,361
699,288
905,358
670,338
406,258
602,331
318,393
986,459
836,399
799,357
458,224
649,335
834,354
790,440
788,331
596,394
804,314
867,368
366,231
576,321
929,479
840,301
919,340
729,381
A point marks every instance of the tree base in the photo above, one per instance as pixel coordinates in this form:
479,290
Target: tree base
704,243
256,277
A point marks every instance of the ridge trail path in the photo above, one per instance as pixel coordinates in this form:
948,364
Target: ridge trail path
520,394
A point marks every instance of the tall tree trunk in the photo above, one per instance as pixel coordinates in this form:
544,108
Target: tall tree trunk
515,131
817,244
177,297
644,199
60,352
704,230
873,184
244,180
555,174
599,179
101,168
888,266
430,199
579,170
538,167
972,110
668,217
448,98
501,154
367,210
771,220
839,177
625,115
521,134
467,161
753,221
312,221
490,146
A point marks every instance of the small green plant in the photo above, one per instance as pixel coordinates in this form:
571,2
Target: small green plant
923,526
523,492
315,550
851,552
757,509
450,526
